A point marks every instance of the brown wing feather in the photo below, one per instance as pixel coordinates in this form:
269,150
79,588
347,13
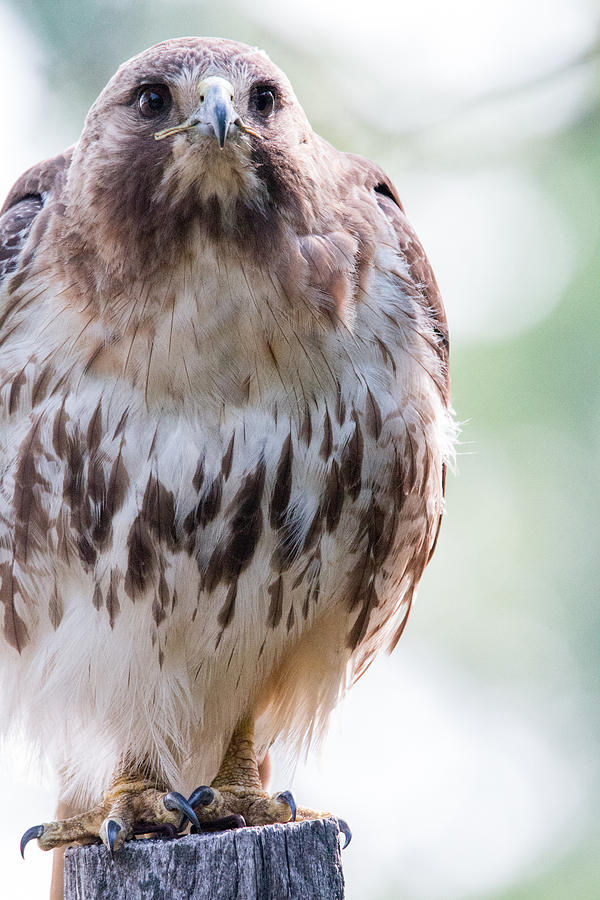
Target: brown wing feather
424,280
428,292
421,271
23,205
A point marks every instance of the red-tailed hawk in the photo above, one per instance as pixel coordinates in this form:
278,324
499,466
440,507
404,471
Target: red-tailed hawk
225,426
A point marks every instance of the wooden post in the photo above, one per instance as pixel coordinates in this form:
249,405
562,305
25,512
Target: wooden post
297,861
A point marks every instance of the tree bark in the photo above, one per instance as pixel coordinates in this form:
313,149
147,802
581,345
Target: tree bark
297,861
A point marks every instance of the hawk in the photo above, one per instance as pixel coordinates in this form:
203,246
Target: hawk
225,429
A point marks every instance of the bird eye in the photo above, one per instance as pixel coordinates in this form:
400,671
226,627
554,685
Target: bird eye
154,100
264,102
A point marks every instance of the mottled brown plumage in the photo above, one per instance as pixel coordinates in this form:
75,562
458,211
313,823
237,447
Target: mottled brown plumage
225,407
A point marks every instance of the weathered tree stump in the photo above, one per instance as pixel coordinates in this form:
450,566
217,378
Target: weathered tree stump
297,861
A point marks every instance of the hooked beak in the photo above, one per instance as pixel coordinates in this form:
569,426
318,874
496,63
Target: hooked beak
215,114
216,107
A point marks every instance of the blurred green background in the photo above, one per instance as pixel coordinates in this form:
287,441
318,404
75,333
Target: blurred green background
468,762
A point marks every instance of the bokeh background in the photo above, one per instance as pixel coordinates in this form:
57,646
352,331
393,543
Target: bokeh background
468,762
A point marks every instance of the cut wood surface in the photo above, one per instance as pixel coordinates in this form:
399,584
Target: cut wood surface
300,861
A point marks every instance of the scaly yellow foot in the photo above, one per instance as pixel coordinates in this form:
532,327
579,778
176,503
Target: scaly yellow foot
132,805
236,797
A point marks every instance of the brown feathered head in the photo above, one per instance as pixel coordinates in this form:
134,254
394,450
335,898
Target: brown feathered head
191,132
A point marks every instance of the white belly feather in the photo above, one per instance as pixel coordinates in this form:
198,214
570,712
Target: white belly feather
155,651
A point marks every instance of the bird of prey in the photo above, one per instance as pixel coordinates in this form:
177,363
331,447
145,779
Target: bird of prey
225,428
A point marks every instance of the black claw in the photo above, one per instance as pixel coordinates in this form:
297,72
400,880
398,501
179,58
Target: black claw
224,824
202,796
345,830
31,833
175,800
168,832
288,797
112,830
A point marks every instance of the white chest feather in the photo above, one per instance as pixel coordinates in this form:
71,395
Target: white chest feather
190,509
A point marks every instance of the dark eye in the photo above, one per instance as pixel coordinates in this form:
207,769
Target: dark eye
264,102
154,100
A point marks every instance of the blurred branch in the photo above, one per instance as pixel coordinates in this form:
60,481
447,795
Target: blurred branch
499,95
589,57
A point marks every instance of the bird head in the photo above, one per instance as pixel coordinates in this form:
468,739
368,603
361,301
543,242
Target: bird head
193,133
